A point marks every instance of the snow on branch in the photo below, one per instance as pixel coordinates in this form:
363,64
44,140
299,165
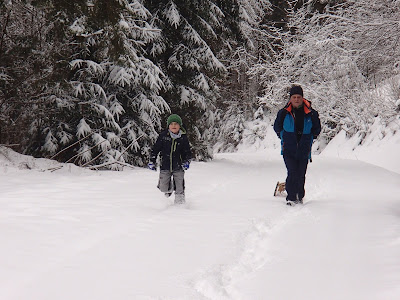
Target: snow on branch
91,66
174,61
122,76
88,90
83,128
160,103
190,95
85,153
172,14
212,62
201,82
108,118
113,138
193,36
147,105
50,144
215,10
208,27
116,109
102,142
70,146
137,9
64,137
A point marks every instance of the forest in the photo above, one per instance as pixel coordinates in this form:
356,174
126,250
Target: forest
92,82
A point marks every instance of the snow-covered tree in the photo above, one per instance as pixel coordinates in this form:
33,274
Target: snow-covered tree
103,95
239,89
23,69
330,53
118,85
187,53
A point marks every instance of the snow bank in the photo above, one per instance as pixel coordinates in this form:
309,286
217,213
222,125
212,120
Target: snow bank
11,161
380,147
259,135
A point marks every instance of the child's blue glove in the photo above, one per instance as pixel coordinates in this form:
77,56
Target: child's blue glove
152,166
186,165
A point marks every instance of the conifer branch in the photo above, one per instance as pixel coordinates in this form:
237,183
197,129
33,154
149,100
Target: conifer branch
80,153
71,145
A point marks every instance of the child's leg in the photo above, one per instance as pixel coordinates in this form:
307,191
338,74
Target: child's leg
164,182
179,183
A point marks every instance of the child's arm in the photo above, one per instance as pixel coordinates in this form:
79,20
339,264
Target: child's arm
156,150
187,152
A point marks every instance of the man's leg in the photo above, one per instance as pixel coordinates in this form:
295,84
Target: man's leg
179,182
302,169
291,179
165,183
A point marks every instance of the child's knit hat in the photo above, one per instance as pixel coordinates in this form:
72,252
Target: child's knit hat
174,118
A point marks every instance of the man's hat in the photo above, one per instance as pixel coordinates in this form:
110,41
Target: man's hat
296,90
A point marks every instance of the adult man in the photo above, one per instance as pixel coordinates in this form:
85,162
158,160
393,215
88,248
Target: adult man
297,124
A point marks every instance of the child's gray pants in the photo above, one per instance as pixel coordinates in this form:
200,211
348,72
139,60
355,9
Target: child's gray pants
166,185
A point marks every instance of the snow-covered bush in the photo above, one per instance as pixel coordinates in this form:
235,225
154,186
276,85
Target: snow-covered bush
334,55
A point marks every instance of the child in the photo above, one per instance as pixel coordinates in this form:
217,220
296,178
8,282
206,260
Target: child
175,151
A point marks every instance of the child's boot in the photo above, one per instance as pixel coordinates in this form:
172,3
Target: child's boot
179,198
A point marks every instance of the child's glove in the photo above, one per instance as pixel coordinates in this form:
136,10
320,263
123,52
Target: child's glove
186,165
152,166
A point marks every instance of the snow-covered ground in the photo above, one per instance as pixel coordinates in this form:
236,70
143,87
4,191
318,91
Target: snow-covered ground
79,234
381,147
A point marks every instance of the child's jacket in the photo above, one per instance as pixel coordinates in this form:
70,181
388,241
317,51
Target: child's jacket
173,151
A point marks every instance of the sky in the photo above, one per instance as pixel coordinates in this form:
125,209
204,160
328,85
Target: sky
72,233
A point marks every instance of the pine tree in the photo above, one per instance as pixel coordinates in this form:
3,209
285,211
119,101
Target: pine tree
103,94
240,88
23,69
187,53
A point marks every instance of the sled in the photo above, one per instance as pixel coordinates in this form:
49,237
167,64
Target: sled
280,189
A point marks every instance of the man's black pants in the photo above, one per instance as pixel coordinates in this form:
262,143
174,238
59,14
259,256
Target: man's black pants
296,177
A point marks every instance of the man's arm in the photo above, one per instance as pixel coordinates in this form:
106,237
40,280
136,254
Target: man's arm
278,124
316,124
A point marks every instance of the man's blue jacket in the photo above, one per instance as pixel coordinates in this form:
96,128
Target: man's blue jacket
285,128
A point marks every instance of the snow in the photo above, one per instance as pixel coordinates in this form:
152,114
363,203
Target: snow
381,146
83,128
71,233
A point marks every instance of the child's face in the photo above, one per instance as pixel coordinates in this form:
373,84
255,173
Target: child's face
174,127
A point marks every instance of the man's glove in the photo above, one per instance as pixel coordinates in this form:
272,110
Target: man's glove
152,166
186,165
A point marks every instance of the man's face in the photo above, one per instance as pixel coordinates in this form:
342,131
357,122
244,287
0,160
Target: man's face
174,127
296,100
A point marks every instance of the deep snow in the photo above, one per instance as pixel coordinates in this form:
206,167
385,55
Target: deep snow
79,234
